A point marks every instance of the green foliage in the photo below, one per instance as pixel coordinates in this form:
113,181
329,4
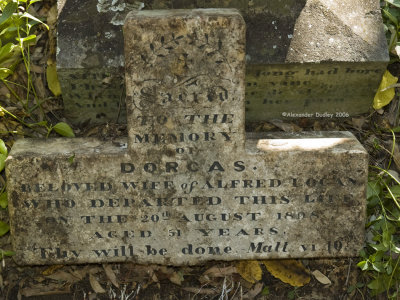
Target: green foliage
17,35
381,256
63,129
391,20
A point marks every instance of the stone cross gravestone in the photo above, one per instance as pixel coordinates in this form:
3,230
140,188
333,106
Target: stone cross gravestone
187,185
304,58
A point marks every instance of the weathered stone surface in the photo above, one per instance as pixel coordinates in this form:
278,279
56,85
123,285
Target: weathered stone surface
88,201
185,78
90,60
186,186
324,90
312,34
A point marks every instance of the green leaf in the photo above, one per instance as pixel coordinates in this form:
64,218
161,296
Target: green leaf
41,123
394,2
395,190
29,40
64,129
4,228
33,1
2,161
385,94
375,284
8,11
379,267
4,73
390,16
265,291
374,188
3,148
52,80
7,253
363,265
386,238
29,16
3,200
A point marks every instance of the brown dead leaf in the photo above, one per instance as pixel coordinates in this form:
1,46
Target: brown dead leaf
50,270
289,271
287,127
358,122
44,290
317,126
396,156
321,277
40,89
176,277
52,16
201,291
250,270
220,272
111,275
63,276
37,69
96,286
254,291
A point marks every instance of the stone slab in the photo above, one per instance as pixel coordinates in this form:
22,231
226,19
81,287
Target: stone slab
309,34
281,199
186,186
324,90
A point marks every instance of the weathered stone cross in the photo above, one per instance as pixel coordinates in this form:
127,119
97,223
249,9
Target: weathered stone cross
187,186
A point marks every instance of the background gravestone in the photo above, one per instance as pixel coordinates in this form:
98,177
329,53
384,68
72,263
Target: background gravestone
186,186
301,56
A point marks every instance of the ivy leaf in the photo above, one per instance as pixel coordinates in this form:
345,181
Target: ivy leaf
385,93
64,129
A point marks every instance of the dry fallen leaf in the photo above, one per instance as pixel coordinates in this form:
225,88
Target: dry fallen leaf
321,277
63,276
254,291
176,278
44,290
96,286
111,275
201,291
220,272
50,270
250,270
385,94
396,156
358,122
289,271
